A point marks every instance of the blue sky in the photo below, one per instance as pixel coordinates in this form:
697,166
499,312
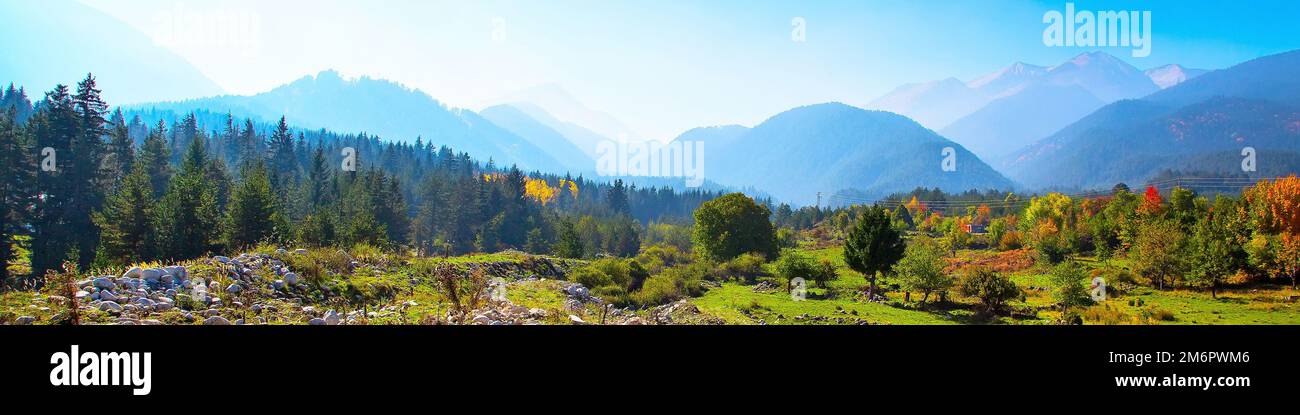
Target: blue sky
665,66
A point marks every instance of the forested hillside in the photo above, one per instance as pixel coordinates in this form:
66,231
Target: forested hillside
102,188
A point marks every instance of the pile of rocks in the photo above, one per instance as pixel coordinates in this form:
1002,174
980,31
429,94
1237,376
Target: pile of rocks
682,312
138,292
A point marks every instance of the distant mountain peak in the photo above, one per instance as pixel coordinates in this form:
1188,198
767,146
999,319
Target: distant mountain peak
1172,74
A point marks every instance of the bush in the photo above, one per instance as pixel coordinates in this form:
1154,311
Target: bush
746,266
657,257
1068,285
991,288
592,278
922,269
1052,250
1011,240
1105,314
792,265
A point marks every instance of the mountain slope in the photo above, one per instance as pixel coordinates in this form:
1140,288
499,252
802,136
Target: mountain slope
380,107
41,50
1199,125
552,142
933,104
585,140
1038,101
1018,120
832,147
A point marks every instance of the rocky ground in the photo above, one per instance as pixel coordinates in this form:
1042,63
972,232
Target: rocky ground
261,288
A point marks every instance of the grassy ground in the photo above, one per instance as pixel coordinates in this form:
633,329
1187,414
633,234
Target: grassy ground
386,292
1257,304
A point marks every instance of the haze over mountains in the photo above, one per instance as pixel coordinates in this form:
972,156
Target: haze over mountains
382,108
96,42
1200,125
1088,122
833,147
1003,111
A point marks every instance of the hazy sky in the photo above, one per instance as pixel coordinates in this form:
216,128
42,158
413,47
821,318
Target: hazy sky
665,66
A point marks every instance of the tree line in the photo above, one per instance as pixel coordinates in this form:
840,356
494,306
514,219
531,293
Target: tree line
87,185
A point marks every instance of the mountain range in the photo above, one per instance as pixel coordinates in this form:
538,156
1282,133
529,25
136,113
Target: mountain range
1008,109
832,147
1202,124
383,108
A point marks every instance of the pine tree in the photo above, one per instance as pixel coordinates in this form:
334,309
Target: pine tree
251,208
53,127
154,156
569,244
617,199
187,215
126,221
16,181
281,155
85,175
121,150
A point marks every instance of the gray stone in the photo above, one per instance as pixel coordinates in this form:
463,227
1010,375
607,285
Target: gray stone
105,283
25,320
107,296
316,322
576,320
332,318
216,321
151,274
291,278
110,306
233,289
134,272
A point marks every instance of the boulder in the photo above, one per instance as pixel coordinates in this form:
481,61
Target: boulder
107,296
316,322
134,272
216,321
110,306
151,274
25,320
291,278
576,320
332,318
300,251
104,283
233,289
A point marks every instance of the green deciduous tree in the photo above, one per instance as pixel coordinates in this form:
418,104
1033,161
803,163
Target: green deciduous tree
921,269
732,225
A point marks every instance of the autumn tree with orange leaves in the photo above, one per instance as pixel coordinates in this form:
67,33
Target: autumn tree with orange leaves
1277,210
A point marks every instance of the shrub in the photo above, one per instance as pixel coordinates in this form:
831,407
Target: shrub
1011,240
657,257
921,269
792,265
591,278
1105,314
746,266
991,288
1068,285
